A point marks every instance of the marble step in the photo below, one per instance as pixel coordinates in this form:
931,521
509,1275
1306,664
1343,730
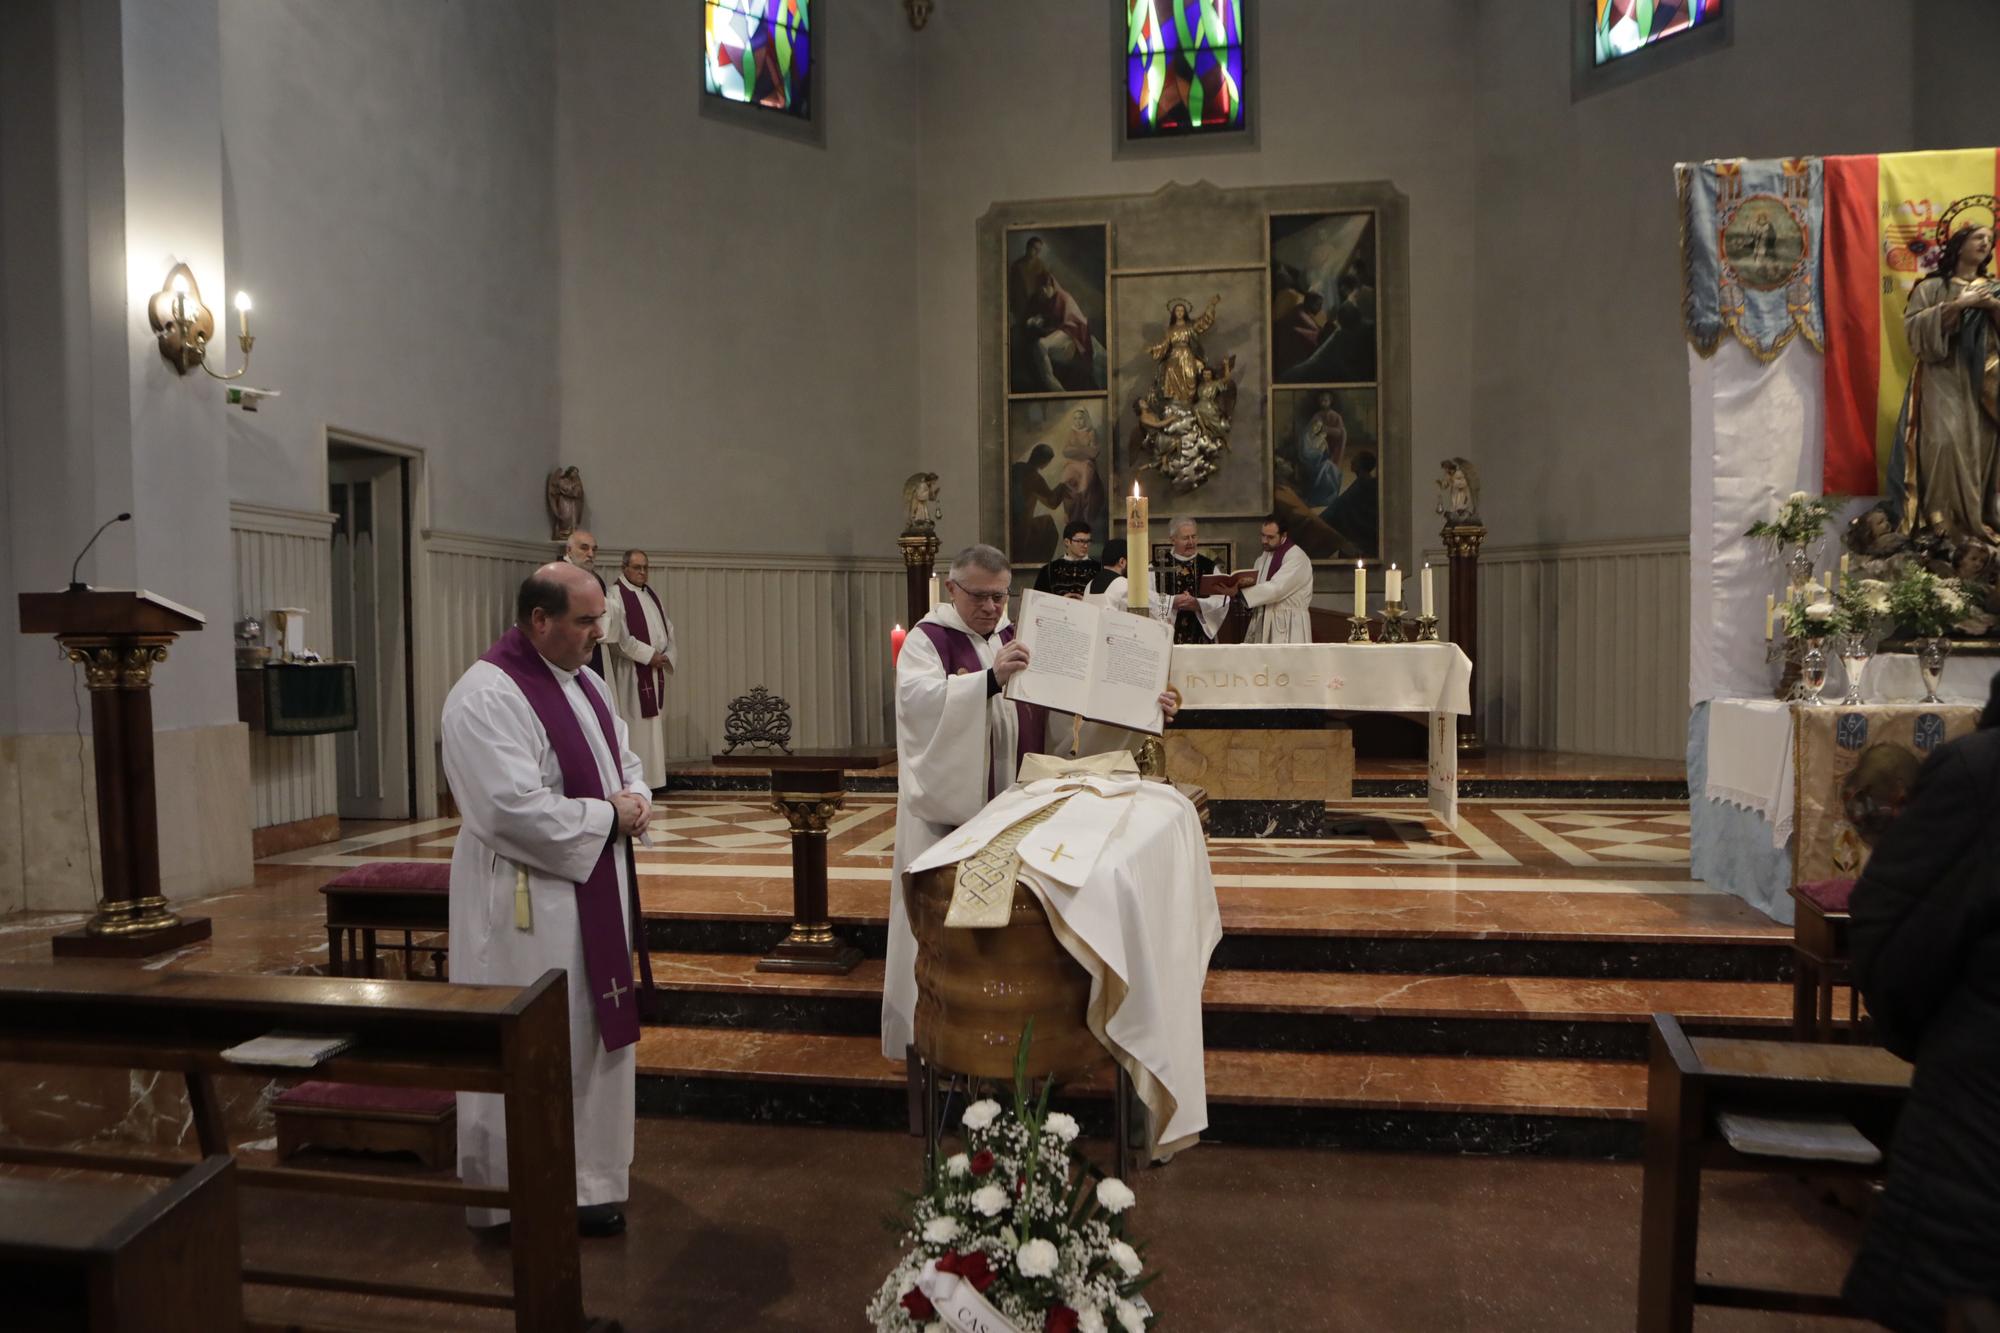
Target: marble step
1451,1103
1299,1011
1512,929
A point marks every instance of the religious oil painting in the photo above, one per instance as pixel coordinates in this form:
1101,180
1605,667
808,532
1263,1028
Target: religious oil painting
1323,268
1184,68
1763,242
1055,475
1189,388
760,52
1621,27
1326,464
1055,309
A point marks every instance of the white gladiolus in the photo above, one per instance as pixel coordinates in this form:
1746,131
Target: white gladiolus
1064,1127
958,1164
981,1113
989,1200
1036,1259
941,1230
1114,1195
1126,1258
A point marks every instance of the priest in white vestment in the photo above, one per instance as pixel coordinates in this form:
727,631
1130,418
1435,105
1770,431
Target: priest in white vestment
539,875
1280,599
640,640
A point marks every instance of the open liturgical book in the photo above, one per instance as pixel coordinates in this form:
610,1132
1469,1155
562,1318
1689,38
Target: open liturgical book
1100,662
1222,585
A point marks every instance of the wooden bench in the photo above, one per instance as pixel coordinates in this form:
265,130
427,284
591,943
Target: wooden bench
509,1040
411,896
1692,1080
1821,958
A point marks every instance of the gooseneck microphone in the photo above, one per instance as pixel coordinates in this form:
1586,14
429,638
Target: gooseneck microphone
74,586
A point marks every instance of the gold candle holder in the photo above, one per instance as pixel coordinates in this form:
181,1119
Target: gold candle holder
1357,630
1392,623
1427,629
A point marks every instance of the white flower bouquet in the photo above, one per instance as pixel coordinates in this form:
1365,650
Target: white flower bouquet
1924,604
1013,1236
1800,519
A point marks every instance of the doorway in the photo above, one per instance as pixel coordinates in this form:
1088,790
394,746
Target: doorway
368,491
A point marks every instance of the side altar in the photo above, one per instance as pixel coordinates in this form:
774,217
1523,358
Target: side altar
1259,726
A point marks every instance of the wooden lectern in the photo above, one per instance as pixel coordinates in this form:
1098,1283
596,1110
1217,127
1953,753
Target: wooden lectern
116,637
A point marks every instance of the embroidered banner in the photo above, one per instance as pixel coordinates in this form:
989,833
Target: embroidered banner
1750,253
1886,217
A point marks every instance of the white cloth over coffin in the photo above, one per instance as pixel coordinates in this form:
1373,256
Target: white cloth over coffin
954,744
624,653
1281,603
1132,900
508,785
1212,611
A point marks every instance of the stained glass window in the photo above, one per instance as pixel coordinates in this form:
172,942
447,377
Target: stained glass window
1622,27
1183,67
760,52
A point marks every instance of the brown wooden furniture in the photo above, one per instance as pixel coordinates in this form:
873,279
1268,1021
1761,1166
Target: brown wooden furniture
1461,545
104,1257
920,552
357,905
806,789
116,637
509,1040
1690,1081
354,1117
1821,959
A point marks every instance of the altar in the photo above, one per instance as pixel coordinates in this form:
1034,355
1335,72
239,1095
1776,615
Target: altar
1259,725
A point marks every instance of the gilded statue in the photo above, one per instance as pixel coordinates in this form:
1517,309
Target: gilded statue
920,503
1180,351
565,497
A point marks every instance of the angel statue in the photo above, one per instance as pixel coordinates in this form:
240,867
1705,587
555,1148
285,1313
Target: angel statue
1180,350
1458,491
565,495
920,502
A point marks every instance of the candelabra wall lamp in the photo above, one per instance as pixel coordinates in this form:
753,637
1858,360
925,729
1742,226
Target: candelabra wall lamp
185,325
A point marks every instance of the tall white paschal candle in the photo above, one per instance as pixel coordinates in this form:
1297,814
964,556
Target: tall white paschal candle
1360,591
1392,585
1136,550
1424,584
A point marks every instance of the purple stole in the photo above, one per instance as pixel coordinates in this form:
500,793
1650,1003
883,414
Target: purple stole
652,679
607,957
1277,559
954,648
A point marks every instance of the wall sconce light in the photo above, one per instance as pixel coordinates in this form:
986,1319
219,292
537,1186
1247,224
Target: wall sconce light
185,325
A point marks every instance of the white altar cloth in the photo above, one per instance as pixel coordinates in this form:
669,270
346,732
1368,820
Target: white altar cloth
1431,681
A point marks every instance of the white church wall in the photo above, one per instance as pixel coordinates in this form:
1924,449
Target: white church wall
391,207
1018,104
739,344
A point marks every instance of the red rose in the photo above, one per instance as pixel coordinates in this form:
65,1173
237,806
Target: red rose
1062,1319
918,1304
982,1162
972,1267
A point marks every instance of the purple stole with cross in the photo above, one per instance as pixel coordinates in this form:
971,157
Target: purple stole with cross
652,679
955,649
1277,560
607,958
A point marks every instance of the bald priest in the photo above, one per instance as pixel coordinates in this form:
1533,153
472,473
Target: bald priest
640,654
549,794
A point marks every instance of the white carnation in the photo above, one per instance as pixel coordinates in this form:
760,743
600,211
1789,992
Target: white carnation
1114,1195
941,1230
1126,1258
1875,601
1130,1318
1036,1259
1064,1127
981,1113
1088,1320
1949,599
1819,611
958,1164
990,1200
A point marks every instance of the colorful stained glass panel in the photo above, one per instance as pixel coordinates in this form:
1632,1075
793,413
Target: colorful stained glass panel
760,52
1622,27
1183,67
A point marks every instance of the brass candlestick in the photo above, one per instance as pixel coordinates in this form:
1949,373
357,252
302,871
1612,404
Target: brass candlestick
1427,629
1357,630
1392,623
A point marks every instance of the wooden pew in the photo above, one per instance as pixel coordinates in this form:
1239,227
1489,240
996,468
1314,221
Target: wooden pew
92,1255
1690,1081
498,1039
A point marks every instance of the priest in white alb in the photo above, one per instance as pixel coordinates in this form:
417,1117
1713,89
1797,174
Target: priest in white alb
549,794
641,654
1280,597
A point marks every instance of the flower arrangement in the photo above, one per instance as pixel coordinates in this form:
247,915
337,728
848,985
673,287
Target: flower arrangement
1925,604
1814,614
1011,1234
1800,520
1864,604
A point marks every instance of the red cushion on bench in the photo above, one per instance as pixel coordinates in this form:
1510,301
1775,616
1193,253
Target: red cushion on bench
1828,895
319,1095
421,876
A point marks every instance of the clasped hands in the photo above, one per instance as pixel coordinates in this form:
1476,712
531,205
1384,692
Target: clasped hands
633,811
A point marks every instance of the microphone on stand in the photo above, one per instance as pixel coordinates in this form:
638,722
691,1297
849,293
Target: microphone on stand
74,586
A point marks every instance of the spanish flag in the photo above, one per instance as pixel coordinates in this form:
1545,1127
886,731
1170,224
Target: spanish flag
1880,211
